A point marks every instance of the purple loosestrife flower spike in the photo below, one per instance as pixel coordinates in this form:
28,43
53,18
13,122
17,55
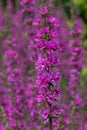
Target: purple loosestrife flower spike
48,75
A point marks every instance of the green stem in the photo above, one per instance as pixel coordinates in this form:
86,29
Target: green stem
50,123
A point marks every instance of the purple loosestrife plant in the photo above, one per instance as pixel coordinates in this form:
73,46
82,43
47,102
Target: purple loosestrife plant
63,38
28,16
76,56
76,67
15,80
48,75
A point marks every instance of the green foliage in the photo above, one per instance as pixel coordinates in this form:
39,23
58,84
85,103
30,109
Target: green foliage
85,44
84,77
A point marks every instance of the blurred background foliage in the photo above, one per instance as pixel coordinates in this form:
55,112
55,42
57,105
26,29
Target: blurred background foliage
81,7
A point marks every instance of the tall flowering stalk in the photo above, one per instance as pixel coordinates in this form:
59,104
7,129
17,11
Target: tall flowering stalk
15,81
63,38
48,75
76,64
28,16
